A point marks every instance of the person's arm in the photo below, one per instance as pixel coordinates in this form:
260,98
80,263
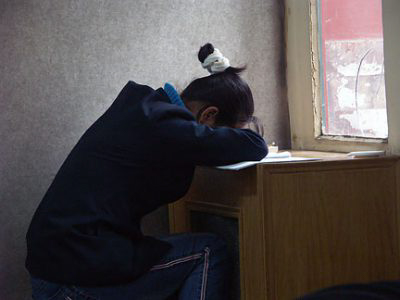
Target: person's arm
183,140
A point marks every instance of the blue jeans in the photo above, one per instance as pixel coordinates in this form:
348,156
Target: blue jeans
196,268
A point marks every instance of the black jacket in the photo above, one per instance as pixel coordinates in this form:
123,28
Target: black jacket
140,154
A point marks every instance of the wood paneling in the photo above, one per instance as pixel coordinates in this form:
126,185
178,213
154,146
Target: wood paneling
331,224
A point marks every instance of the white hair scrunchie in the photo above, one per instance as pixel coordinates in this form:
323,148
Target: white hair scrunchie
216,62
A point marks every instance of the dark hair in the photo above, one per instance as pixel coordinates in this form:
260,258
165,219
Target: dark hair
226,90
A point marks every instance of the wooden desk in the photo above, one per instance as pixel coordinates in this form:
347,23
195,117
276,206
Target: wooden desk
304,226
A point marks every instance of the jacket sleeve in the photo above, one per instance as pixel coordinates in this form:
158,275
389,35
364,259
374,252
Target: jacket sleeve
182,140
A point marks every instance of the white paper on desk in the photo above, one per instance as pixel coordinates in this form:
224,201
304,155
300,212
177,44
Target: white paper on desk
270,158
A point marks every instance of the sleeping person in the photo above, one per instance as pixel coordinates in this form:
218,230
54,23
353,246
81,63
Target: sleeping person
85,242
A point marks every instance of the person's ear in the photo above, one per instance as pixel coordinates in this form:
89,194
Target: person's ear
209,116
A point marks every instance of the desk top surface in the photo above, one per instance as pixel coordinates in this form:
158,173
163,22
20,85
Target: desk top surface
331,155
300,157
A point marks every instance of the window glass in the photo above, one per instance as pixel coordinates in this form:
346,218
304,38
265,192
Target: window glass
351,68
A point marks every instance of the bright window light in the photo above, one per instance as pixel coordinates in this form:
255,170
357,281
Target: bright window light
352,79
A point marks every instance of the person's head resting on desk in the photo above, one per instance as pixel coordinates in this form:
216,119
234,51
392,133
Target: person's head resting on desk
222,98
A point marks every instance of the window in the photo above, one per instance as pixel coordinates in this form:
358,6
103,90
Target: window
351,69
344,97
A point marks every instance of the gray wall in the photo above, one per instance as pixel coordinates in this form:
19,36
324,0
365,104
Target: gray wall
63,62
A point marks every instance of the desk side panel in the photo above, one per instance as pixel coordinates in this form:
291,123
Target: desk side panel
330,223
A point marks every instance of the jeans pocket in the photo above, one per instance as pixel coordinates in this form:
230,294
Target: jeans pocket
59,295
44,290
76,293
